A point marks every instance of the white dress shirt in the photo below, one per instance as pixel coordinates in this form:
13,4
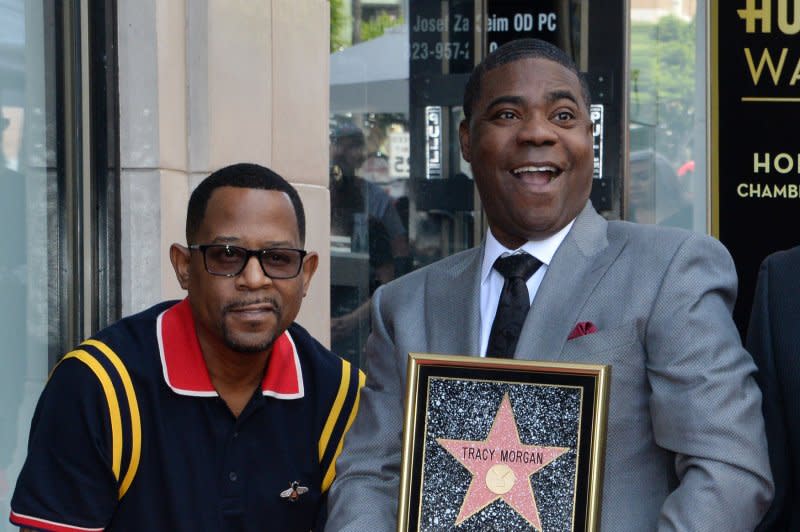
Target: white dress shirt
492,281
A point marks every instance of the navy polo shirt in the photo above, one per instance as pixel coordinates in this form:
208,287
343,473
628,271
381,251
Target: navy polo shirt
129,434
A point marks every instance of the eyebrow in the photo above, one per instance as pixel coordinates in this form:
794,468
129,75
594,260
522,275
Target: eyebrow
222,239
234,241
554,96
514,100
551,98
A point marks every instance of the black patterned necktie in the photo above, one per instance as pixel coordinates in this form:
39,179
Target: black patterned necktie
513,305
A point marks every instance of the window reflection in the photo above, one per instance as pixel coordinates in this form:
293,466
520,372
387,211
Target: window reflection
369,222
13,292
667,140
26,151
657,193
388,216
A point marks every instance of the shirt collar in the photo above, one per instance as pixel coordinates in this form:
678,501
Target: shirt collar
541,249
185,370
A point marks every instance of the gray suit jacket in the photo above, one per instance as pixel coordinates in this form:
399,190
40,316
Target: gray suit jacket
685,449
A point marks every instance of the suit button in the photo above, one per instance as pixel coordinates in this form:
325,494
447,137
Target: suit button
233,476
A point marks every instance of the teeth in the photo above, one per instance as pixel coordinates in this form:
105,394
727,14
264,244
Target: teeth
534,169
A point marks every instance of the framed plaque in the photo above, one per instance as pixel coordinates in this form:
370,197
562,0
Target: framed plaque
498,444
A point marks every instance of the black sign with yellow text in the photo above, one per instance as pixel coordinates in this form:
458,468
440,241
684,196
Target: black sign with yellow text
755,141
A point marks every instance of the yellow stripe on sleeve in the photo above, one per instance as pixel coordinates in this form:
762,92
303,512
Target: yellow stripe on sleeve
133,408
113,405
336,409
331,473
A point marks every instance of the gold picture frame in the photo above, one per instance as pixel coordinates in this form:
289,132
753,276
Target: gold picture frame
497,441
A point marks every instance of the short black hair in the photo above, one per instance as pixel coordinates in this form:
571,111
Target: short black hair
242,175
514,51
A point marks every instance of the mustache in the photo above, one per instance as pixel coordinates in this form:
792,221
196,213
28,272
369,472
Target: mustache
236,305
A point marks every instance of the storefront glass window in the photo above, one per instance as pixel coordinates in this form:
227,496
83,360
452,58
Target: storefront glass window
667,182
401,194
27,200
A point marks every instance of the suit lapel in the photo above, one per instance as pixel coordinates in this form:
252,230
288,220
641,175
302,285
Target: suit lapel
575,270
452,306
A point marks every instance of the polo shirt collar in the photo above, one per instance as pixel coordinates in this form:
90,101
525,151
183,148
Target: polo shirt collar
185,370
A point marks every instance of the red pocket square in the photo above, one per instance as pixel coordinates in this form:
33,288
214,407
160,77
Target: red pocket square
581,329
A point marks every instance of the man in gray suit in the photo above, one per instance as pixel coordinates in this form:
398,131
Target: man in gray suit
686,448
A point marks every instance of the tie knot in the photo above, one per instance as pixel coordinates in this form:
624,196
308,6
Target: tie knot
519,265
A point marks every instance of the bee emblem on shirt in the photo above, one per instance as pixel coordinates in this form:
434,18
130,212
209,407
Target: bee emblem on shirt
294,491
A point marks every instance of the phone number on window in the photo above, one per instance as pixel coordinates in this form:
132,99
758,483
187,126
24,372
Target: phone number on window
420,51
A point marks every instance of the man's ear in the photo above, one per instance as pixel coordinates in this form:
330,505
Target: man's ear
463,139
179,256
309,267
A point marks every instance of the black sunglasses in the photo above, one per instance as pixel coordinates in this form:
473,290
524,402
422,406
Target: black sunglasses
229,261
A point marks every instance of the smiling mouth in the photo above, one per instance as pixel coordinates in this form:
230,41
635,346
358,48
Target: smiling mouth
537,174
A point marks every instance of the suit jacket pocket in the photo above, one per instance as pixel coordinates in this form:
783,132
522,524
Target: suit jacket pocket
617,338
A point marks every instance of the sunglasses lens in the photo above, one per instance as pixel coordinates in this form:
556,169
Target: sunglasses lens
225,260
281,263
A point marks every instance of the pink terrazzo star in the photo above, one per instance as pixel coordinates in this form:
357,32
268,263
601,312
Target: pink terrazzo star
501,466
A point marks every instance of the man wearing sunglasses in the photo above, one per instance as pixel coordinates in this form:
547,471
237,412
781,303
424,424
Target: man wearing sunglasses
216,412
